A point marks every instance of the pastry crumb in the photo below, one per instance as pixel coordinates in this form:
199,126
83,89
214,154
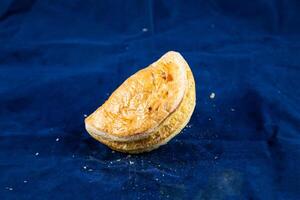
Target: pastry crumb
85,115
9,188
25,181
84,167
212,95
131,162
37,153
189,126
144,29
57,139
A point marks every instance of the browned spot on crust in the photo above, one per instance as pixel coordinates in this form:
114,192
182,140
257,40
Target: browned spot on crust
169,77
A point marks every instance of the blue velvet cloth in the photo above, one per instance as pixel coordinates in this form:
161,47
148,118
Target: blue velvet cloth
60,60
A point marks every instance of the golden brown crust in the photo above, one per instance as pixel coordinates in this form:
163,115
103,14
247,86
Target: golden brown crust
143,101
168,129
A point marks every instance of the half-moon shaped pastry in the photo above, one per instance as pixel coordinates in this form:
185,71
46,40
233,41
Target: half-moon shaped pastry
148,109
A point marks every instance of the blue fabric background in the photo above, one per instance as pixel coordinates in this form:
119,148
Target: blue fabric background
60,60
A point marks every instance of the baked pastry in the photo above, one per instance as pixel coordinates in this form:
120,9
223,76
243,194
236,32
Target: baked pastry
148,109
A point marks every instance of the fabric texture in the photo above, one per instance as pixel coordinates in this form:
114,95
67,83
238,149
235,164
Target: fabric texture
60,60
